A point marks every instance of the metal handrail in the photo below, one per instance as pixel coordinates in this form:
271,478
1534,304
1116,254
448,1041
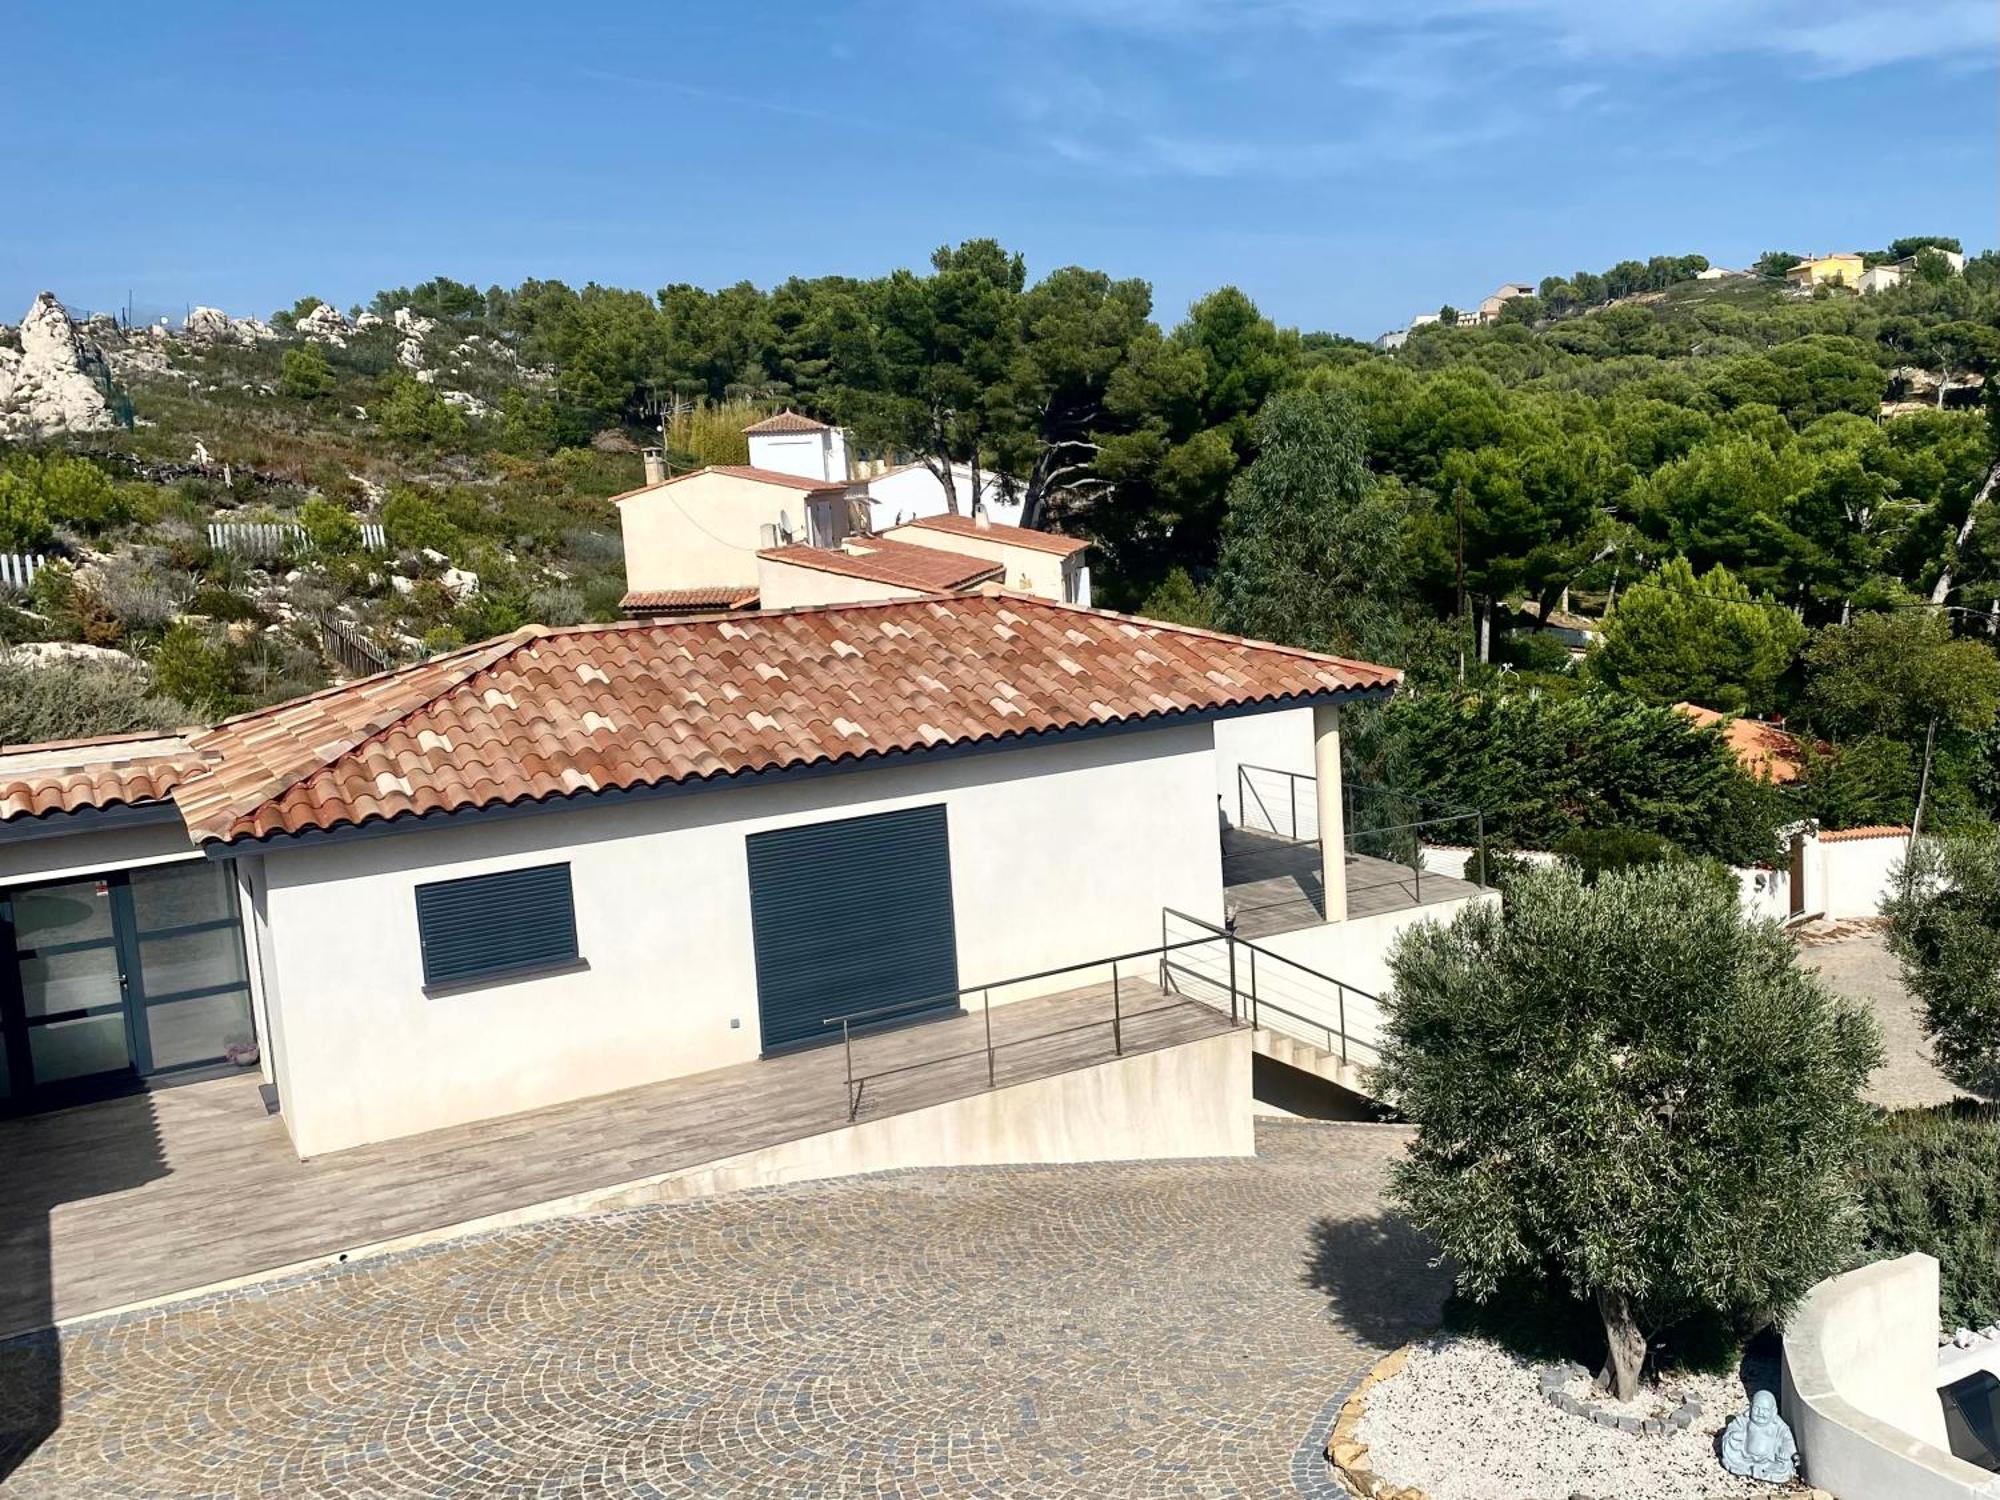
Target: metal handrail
1257,1002
1119,1016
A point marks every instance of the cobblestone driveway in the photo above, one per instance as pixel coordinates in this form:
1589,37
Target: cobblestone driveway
1131,1330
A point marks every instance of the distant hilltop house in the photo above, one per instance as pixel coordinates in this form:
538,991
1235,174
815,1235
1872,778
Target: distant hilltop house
797,527
1826,270
1488,311
1489,307
1881,278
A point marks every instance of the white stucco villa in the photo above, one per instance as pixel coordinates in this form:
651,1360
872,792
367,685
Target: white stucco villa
573,861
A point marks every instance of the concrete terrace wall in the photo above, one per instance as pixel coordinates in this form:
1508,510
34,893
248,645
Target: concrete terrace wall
1860,1377
1192,1100
1060,854
1281,740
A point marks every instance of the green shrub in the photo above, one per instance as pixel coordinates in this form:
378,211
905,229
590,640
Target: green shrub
1596,850
1930,1180
304,374
412,412
414,522
195,671
72,701
330,530
39,494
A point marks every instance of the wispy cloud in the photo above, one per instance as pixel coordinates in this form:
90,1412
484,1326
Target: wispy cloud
1834,36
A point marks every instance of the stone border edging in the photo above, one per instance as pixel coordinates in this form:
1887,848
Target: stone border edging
1552,1378
1346,1455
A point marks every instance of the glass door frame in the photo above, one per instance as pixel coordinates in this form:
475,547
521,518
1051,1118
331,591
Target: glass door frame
24,1094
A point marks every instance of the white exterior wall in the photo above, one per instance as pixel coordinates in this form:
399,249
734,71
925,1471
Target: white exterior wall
1356,952
1059,854
1028,569
1857,873
1281,740
703,531
810,455
913,492
1860,1388
783,585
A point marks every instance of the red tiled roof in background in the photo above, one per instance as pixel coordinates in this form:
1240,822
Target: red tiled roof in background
900,564
743,471
1873,831
1013,536
690,601
547,713
66,776
785,421
1764,749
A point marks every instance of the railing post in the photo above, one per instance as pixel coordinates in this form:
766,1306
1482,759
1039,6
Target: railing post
1230,939
986,1004
847,1046
1342,989
1483,872
1239,824
1253,986
1117,1031
1292,796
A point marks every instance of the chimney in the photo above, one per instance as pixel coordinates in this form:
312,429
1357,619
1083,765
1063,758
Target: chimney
656,465
980,519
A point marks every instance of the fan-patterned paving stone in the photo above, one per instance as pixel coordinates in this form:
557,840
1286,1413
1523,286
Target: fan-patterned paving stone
1127,1330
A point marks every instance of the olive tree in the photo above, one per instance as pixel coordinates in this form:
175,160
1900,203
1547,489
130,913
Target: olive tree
1631,1090
1944,926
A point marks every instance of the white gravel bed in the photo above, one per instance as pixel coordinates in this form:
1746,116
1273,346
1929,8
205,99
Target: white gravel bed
1465,1420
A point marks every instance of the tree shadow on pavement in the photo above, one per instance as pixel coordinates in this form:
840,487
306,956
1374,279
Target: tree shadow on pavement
1377,1274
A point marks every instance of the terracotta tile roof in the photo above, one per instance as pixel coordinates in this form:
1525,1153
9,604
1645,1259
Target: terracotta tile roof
1764,749
690,601
1013,536
546,713
785,421
741,471
124,770
1873,831
902,564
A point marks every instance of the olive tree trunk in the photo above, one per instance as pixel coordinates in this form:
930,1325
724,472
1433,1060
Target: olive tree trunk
1625,1347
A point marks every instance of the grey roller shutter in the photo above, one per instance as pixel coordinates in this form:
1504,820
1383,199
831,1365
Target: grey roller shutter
851,915
494,924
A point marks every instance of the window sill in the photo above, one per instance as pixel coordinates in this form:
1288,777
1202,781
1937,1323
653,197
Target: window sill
444,988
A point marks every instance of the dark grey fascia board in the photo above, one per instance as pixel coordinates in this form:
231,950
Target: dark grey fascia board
54,825
1341,697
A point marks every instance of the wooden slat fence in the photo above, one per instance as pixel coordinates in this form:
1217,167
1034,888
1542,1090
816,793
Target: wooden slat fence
350,650
279,539
18,569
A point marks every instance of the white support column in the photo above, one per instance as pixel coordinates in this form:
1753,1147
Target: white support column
1332,817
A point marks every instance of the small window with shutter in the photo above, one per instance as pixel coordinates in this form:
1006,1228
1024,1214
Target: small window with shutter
503,923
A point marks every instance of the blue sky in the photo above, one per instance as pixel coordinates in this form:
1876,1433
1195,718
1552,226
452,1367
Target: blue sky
1346,162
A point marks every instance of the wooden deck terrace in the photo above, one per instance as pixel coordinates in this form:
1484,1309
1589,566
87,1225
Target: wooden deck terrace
137,1198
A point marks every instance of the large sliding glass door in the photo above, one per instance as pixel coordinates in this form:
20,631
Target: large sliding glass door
117,978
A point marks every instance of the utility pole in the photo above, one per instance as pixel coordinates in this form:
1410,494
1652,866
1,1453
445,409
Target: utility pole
1923,785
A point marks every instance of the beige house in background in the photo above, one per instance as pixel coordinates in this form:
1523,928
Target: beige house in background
1034,562
691,542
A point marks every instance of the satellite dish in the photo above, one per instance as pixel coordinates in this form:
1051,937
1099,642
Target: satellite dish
785,528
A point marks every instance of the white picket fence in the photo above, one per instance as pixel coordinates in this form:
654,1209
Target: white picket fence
279,539
18,569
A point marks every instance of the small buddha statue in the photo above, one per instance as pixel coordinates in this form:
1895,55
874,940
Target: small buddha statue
1758,1445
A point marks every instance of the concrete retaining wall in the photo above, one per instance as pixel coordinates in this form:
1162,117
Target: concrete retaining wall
1860,1388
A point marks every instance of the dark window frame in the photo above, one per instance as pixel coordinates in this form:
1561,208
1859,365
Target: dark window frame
437,930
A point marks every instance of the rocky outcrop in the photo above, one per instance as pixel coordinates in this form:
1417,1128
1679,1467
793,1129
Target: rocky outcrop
211,325
325,324
56,381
